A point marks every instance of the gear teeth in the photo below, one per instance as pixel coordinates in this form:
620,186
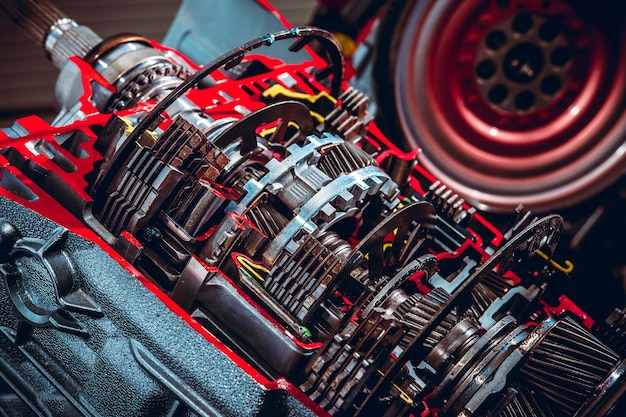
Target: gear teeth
417,310
131,199
344,158
448,202
348,119
613,331
524,404
302,280
267,220
489,289
338,376
409,303
567,365
355,102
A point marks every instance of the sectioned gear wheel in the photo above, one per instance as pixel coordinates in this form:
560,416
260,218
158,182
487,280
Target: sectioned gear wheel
511,101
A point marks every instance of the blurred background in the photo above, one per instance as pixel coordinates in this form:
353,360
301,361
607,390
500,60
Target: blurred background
28,78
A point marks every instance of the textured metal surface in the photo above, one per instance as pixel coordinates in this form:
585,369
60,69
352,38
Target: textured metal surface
313,269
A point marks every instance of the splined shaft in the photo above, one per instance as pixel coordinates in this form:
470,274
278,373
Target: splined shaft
51,29
34,17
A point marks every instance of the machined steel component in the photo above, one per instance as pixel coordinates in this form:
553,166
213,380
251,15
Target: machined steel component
284,229
49,27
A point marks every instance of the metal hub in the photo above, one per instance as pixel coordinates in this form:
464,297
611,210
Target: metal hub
514,101
523,63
